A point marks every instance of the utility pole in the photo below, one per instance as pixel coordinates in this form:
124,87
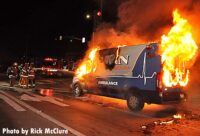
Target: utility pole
101,9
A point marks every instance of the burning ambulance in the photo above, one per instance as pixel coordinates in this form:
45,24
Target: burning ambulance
142,73
133,73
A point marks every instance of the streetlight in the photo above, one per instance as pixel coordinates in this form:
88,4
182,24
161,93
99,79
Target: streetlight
88,16
95,16
83,39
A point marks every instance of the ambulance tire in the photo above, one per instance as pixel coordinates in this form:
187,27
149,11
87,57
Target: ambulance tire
77,91
135,102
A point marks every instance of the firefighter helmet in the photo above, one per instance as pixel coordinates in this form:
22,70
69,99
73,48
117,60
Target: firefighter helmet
15,64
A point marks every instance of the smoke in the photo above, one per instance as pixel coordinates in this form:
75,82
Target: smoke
142,21
108,36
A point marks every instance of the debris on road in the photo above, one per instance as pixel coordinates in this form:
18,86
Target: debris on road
186,119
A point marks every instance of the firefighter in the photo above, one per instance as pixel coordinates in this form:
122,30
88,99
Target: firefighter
12,73
19,71
31,75
24,76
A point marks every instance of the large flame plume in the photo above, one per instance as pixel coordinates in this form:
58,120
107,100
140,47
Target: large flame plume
178,52
88,65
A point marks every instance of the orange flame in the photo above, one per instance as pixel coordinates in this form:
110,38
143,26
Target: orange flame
118,47
87,65
177,116
178,50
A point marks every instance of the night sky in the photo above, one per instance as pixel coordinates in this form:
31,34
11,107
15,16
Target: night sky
31,28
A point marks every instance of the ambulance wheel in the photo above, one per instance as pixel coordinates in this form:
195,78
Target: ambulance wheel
135,102
77,91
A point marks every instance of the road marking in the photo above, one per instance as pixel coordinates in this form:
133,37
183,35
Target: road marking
26,97
73,131
42,98
4,84
58,99
48,99
12,103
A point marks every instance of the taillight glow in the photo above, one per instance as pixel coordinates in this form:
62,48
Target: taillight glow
159,82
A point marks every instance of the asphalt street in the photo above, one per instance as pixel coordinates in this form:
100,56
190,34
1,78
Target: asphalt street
51,105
